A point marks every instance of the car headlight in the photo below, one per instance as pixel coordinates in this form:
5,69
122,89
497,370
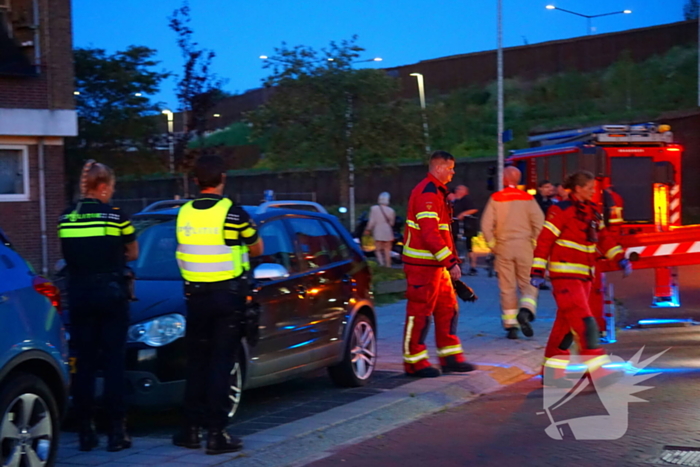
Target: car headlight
158,331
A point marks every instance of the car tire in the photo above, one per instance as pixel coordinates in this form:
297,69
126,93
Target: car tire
27,399
236,392
360,355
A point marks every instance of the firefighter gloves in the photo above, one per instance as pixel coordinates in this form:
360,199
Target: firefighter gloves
536,281
464,292
626,267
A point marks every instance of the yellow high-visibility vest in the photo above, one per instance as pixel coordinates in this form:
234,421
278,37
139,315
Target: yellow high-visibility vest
202,253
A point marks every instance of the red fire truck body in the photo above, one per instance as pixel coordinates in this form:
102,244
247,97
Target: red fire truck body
643,166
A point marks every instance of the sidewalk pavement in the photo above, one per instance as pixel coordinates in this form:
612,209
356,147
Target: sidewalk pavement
500,362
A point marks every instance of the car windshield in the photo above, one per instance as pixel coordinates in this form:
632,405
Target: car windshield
157,245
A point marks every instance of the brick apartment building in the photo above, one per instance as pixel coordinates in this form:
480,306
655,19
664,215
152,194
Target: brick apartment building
36,114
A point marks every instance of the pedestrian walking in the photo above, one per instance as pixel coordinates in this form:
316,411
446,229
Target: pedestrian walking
511,222
464,221
431,265
213,237
573,232
97,240
381,227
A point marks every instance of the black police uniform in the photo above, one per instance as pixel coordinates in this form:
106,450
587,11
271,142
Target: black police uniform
93,238
460,205
214,315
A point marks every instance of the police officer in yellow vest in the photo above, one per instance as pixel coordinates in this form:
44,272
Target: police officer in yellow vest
214,239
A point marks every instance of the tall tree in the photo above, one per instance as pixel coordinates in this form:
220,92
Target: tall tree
198,89
691,9
112,100
323,113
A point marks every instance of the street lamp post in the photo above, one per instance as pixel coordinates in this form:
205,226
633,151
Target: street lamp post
421,94
589,17
349,150
501,151
171,146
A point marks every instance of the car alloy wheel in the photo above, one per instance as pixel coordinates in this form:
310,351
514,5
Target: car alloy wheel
26,432
236,388
363,349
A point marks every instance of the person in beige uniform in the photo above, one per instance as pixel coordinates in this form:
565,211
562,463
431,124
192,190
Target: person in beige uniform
511,222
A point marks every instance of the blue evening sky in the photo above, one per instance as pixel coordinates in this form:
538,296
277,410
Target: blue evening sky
401,32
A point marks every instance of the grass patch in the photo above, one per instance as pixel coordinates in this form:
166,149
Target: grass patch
384,274
388,298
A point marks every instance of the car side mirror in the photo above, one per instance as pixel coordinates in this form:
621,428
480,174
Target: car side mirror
270,271
59,266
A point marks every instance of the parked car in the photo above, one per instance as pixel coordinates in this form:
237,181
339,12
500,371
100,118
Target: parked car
312,284
34,372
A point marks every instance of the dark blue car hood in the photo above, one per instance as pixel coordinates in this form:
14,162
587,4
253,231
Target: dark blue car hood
157,298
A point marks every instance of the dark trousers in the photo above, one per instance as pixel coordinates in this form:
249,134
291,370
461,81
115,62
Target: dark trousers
213,340
99,322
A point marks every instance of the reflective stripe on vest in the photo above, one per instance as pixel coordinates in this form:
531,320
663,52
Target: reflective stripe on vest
202,253
576,246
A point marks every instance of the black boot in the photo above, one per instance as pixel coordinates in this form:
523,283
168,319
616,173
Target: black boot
512,333
188,437
219,442
429,372
458,367
525,316
118,438
87,436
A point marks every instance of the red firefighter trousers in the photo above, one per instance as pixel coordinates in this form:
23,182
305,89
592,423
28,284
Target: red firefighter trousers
430,295
574,322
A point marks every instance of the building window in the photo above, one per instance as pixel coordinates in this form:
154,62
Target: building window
14,173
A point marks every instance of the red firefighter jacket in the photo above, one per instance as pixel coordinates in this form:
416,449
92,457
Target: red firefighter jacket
573,237
428,237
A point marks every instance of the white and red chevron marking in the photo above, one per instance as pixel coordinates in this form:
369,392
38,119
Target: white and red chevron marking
665,249
675,205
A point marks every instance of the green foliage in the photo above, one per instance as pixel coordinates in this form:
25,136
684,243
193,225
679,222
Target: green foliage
325,113
198,89
111,104
237,134
464,122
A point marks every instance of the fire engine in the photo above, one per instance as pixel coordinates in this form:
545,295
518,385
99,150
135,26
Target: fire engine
638,185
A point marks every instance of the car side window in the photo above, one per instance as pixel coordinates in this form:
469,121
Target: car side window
311,237
337,247
278,247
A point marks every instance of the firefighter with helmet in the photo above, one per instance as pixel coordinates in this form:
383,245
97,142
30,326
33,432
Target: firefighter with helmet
567,245
431,266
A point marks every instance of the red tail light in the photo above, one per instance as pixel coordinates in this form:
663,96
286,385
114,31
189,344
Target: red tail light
46,288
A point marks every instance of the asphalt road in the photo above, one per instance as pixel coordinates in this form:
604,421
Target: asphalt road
508,427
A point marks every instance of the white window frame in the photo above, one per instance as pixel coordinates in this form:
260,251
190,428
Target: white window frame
25,173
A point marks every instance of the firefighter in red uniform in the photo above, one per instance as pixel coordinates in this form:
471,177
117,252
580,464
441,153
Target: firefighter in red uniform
567,246
431,265
614,205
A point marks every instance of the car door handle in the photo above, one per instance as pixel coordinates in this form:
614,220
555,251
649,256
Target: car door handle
301,290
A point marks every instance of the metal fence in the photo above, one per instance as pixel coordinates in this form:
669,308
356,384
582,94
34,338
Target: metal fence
133,205
254,199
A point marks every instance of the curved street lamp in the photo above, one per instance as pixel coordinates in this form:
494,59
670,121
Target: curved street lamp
588,17
421,95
